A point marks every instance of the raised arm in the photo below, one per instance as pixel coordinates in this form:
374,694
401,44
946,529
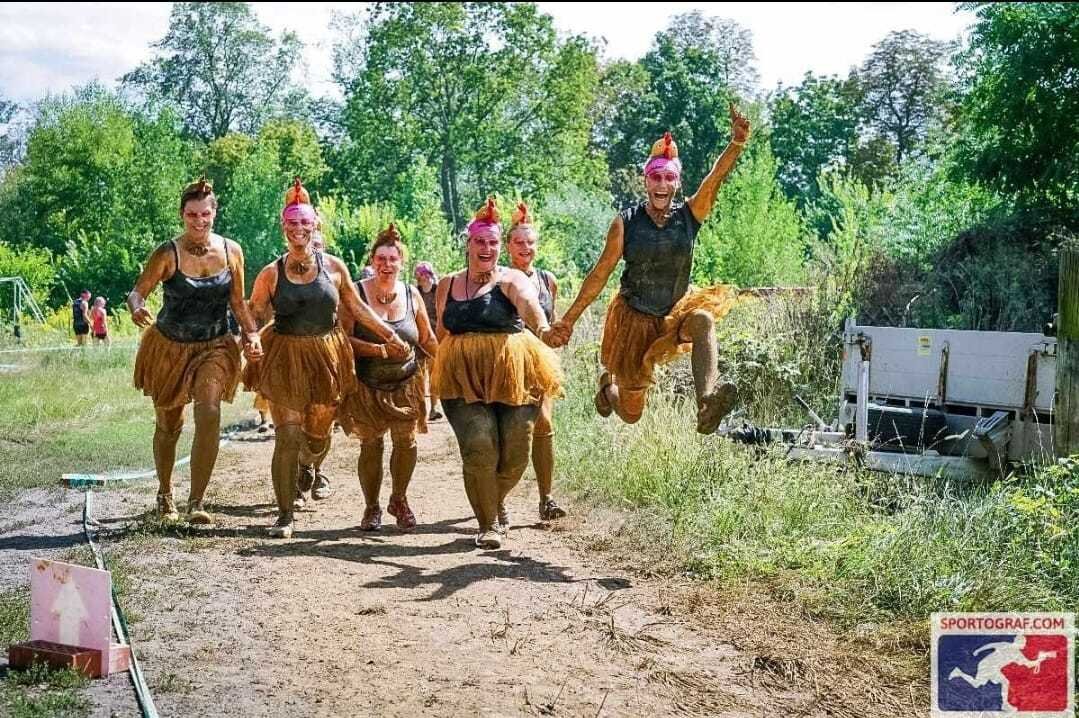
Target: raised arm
700,204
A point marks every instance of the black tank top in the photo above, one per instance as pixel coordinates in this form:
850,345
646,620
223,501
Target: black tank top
658,260
78,314
490,313
195,309
430,304
305,310
389,374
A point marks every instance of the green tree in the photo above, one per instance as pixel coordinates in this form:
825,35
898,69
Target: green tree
98,189
9,133
221,69
814,127
902,84
258,175
34,265
486,93
1019,133
755,235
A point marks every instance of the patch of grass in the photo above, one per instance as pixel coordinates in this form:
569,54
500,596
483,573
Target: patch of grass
14,615
38,692
845,544
78,412
44,693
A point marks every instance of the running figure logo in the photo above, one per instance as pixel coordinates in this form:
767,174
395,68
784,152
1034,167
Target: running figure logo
976,672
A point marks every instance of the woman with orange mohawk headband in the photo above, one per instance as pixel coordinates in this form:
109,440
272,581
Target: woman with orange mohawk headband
656,315
521,248
187,354
390,396
307,367
492,375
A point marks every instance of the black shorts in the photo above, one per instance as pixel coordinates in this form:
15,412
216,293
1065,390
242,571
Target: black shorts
82,330
101,336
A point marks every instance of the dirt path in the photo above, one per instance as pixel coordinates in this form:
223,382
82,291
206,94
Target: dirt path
341,622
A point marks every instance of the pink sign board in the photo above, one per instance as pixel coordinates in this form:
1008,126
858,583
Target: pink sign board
71,605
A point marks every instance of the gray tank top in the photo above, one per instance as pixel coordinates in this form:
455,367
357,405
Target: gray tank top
305,310
389,374
543,280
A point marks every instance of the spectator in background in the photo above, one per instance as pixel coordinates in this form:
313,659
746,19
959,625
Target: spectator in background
99,322
80,317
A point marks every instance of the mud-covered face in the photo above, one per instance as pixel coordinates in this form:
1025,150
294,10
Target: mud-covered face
198,216
483,252
298,232
661,186
387,263
522,247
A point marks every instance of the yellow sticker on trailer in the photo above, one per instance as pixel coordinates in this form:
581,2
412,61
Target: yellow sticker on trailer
925,345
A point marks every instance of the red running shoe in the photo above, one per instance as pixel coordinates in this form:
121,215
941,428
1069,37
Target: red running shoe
406,520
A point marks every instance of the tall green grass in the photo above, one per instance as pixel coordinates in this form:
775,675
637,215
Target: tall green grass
77,412
849,544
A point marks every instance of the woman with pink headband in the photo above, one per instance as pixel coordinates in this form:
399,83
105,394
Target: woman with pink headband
307,365
656,315
491,374
187,354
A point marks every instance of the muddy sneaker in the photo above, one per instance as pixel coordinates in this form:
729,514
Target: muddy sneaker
283,527
306,479
503,518
489,539
197,514
715,406
166,508
549,510
263,428
406,520
435,415
372,519
603,404
299,502
322,489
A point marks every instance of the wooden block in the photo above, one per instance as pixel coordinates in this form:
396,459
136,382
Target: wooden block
86,661
119,658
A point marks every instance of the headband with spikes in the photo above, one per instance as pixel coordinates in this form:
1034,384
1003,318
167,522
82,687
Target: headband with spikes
298,203
663,156
521,215
486,222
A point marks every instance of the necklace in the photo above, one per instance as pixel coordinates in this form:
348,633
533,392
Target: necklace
196,250
387,298
481,279
300,266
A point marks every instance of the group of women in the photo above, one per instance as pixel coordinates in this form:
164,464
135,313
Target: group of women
367,354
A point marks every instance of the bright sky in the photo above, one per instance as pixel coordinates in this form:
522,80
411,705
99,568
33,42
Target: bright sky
50,47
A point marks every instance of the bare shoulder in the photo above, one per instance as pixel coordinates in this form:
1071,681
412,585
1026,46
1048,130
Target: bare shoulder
336,263
233,246
516,276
